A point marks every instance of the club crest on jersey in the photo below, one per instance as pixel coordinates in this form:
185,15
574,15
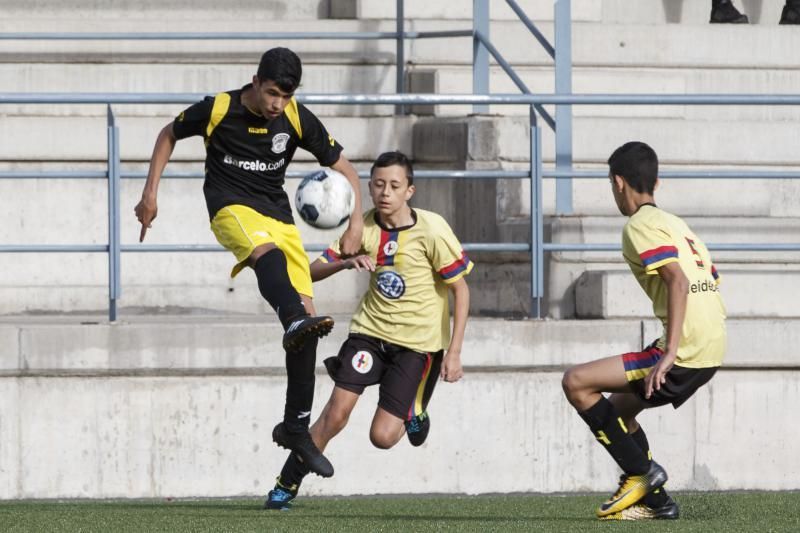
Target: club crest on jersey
362,362
279,142
390,248
391,284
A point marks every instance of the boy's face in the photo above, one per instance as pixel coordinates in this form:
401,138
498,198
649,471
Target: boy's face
271,99
389,189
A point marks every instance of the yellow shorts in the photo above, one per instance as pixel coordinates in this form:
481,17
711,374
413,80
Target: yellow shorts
241,229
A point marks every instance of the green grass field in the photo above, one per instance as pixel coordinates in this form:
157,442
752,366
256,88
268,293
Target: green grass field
701,512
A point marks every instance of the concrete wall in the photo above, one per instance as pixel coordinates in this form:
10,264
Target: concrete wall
176,407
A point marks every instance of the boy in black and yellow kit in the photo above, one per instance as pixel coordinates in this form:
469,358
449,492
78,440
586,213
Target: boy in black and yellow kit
251,135
675,270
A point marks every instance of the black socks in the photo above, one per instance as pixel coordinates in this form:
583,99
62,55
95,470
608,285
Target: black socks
658,497
276,288
610,430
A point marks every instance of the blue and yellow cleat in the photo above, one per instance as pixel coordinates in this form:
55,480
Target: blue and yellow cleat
417,428
632,489
640,511
279,499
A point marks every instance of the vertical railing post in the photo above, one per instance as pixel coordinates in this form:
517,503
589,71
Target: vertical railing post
537,222
114,285
480,55
563,66
400,56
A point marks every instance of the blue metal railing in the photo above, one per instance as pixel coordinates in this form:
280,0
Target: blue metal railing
537,247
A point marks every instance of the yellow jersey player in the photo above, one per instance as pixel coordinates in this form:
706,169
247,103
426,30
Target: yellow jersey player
251,135
400,335
675,270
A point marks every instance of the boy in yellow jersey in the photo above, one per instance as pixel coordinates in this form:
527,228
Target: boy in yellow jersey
251,135
675,270
401,329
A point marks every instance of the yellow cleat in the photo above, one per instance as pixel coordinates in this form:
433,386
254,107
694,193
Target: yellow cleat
632,489
640,511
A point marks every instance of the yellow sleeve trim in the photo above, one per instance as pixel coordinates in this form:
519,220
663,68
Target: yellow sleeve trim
652,269
222,103
293,114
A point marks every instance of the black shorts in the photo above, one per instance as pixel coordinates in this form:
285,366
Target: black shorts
407,378
681,382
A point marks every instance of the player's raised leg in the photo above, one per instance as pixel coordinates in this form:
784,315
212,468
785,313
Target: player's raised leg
583,386
285,283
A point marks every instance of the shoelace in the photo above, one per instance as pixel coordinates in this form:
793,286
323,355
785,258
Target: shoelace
414,426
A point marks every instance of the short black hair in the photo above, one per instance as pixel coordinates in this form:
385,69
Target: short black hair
637,164
282,66
388,159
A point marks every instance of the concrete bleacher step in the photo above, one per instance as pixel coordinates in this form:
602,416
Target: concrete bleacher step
746,293
595,44
176,77
594,283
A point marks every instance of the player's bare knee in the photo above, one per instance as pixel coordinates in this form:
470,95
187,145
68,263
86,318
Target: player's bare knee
382,439
571,383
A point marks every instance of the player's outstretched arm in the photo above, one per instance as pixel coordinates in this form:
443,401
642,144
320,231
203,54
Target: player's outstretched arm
451,365
351,240
147,208
677,296
321,270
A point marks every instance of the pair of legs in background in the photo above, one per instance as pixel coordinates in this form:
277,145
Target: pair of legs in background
274,251
724,12
613,422
407,379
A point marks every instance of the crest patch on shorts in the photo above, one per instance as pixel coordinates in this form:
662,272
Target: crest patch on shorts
362,362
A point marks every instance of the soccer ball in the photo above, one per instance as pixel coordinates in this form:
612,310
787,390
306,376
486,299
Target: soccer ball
325,199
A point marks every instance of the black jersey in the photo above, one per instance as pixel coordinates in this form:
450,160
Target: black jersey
247,154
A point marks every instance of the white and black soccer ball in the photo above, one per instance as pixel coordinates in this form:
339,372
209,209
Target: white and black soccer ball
325,199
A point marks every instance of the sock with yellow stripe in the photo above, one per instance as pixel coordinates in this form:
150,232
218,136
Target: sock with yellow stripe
657,498
609,429
292,474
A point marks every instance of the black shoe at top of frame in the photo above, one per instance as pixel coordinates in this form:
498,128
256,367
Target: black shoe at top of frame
279,499
726,13
304,447
304,328
790,14
417,428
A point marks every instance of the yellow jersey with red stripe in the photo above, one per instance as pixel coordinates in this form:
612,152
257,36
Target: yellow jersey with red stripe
406,303
651,239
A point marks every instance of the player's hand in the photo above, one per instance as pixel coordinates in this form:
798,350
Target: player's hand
146,211
350,243
452,370
360,263
658,375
